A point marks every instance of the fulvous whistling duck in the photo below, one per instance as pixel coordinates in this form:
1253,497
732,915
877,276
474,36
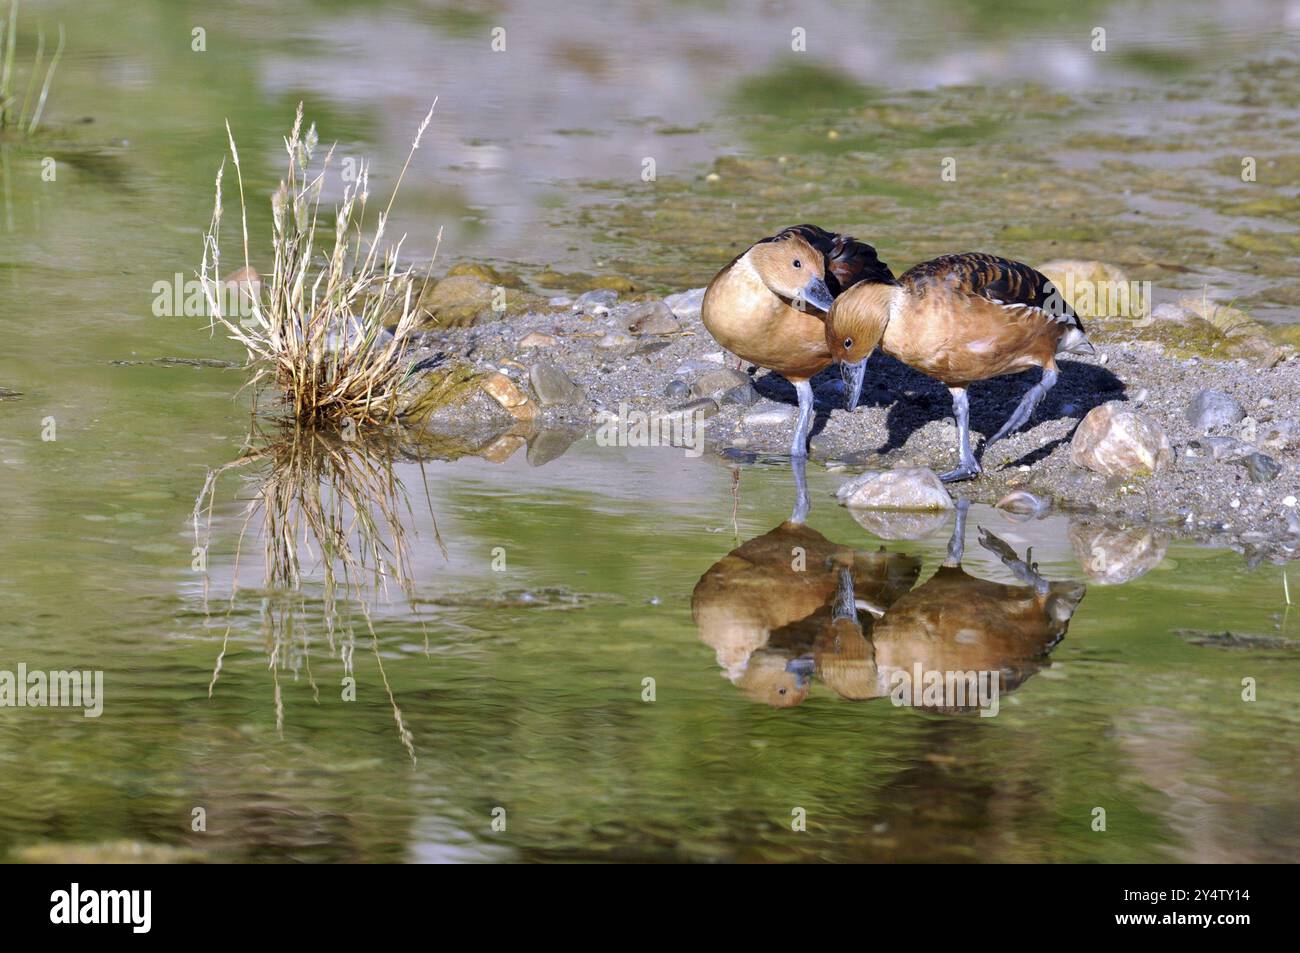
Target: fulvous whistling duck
959,318
755,306
749,605
952,623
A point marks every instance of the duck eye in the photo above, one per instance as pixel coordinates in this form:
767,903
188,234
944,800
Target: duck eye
848,343
798,263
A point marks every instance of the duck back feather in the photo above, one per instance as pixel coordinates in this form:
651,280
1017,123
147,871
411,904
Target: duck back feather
848,260
1011,284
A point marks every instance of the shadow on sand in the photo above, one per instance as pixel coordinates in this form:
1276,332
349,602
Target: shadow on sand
914,400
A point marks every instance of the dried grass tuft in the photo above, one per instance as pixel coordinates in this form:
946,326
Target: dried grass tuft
329,332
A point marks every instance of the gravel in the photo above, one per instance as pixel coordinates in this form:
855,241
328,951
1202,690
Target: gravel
1239,491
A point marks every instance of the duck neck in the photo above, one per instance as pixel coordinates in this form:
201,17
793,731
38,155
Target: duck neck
868,308
745,275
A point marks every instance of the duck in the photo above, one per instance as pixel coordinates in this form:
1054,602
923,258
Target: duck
750,605
768,305
959,319
954,622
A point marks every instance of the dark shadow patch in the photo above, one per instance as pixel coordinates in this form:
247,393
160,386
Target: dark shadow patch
914,400
1039,453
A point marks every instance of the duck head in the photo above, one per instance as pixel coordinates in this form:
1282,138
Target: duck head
854,326
793,270
774,679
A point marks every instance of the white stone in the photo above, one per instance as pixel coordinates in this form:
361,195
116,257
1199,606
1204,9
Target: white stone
907,488
1118,442
686,305
768,417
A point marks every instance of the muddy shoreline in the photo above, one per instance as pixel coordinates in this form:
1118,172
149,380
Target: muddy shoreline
903,419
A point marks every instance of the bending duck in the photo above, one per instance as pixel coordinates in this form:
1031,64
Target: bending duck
755,306
748,605
959,319
952,623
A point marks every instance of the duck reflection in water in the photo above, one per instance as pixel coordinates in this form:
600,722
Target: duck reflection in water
749,604
854,621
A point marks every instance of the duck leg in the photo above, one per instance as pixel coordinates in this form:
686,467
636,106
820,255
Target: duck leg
967,466
801,502
1020,416
1026,570
957,542
799,446
845,606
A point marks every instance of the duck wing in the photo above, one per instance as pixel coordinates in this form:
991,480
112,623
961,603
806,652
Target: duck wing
848,260
1013,285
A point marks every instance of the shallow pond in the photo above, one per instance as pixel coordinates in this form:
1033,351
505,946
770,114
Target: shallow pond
515,679
511,674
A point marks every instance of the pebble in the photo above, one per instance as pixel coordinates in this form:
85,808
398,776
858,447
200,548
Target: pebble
1112,555
704,406
677,389
907,488
1119,442
651,347
686,306
506,393
718,381
652,317
1261,468
772,415
1218,448
1022,501
588,301
553,386
549,445
693,366
1213,408
538,339
615,339
1279,435
743,395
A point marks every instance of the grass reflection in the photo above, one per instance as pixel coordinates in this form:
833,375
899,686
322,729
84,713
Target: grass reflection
325,510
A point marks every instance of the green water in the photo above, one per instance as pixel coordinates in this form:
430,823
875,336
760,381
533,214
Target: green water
519,684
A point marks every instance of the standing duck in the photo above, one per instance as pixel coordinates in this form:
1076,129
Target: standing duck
953,624
755,306
959,319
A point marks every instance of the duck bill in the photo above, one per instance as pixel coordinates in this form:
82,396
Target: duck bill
853,375
802,669
817,294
